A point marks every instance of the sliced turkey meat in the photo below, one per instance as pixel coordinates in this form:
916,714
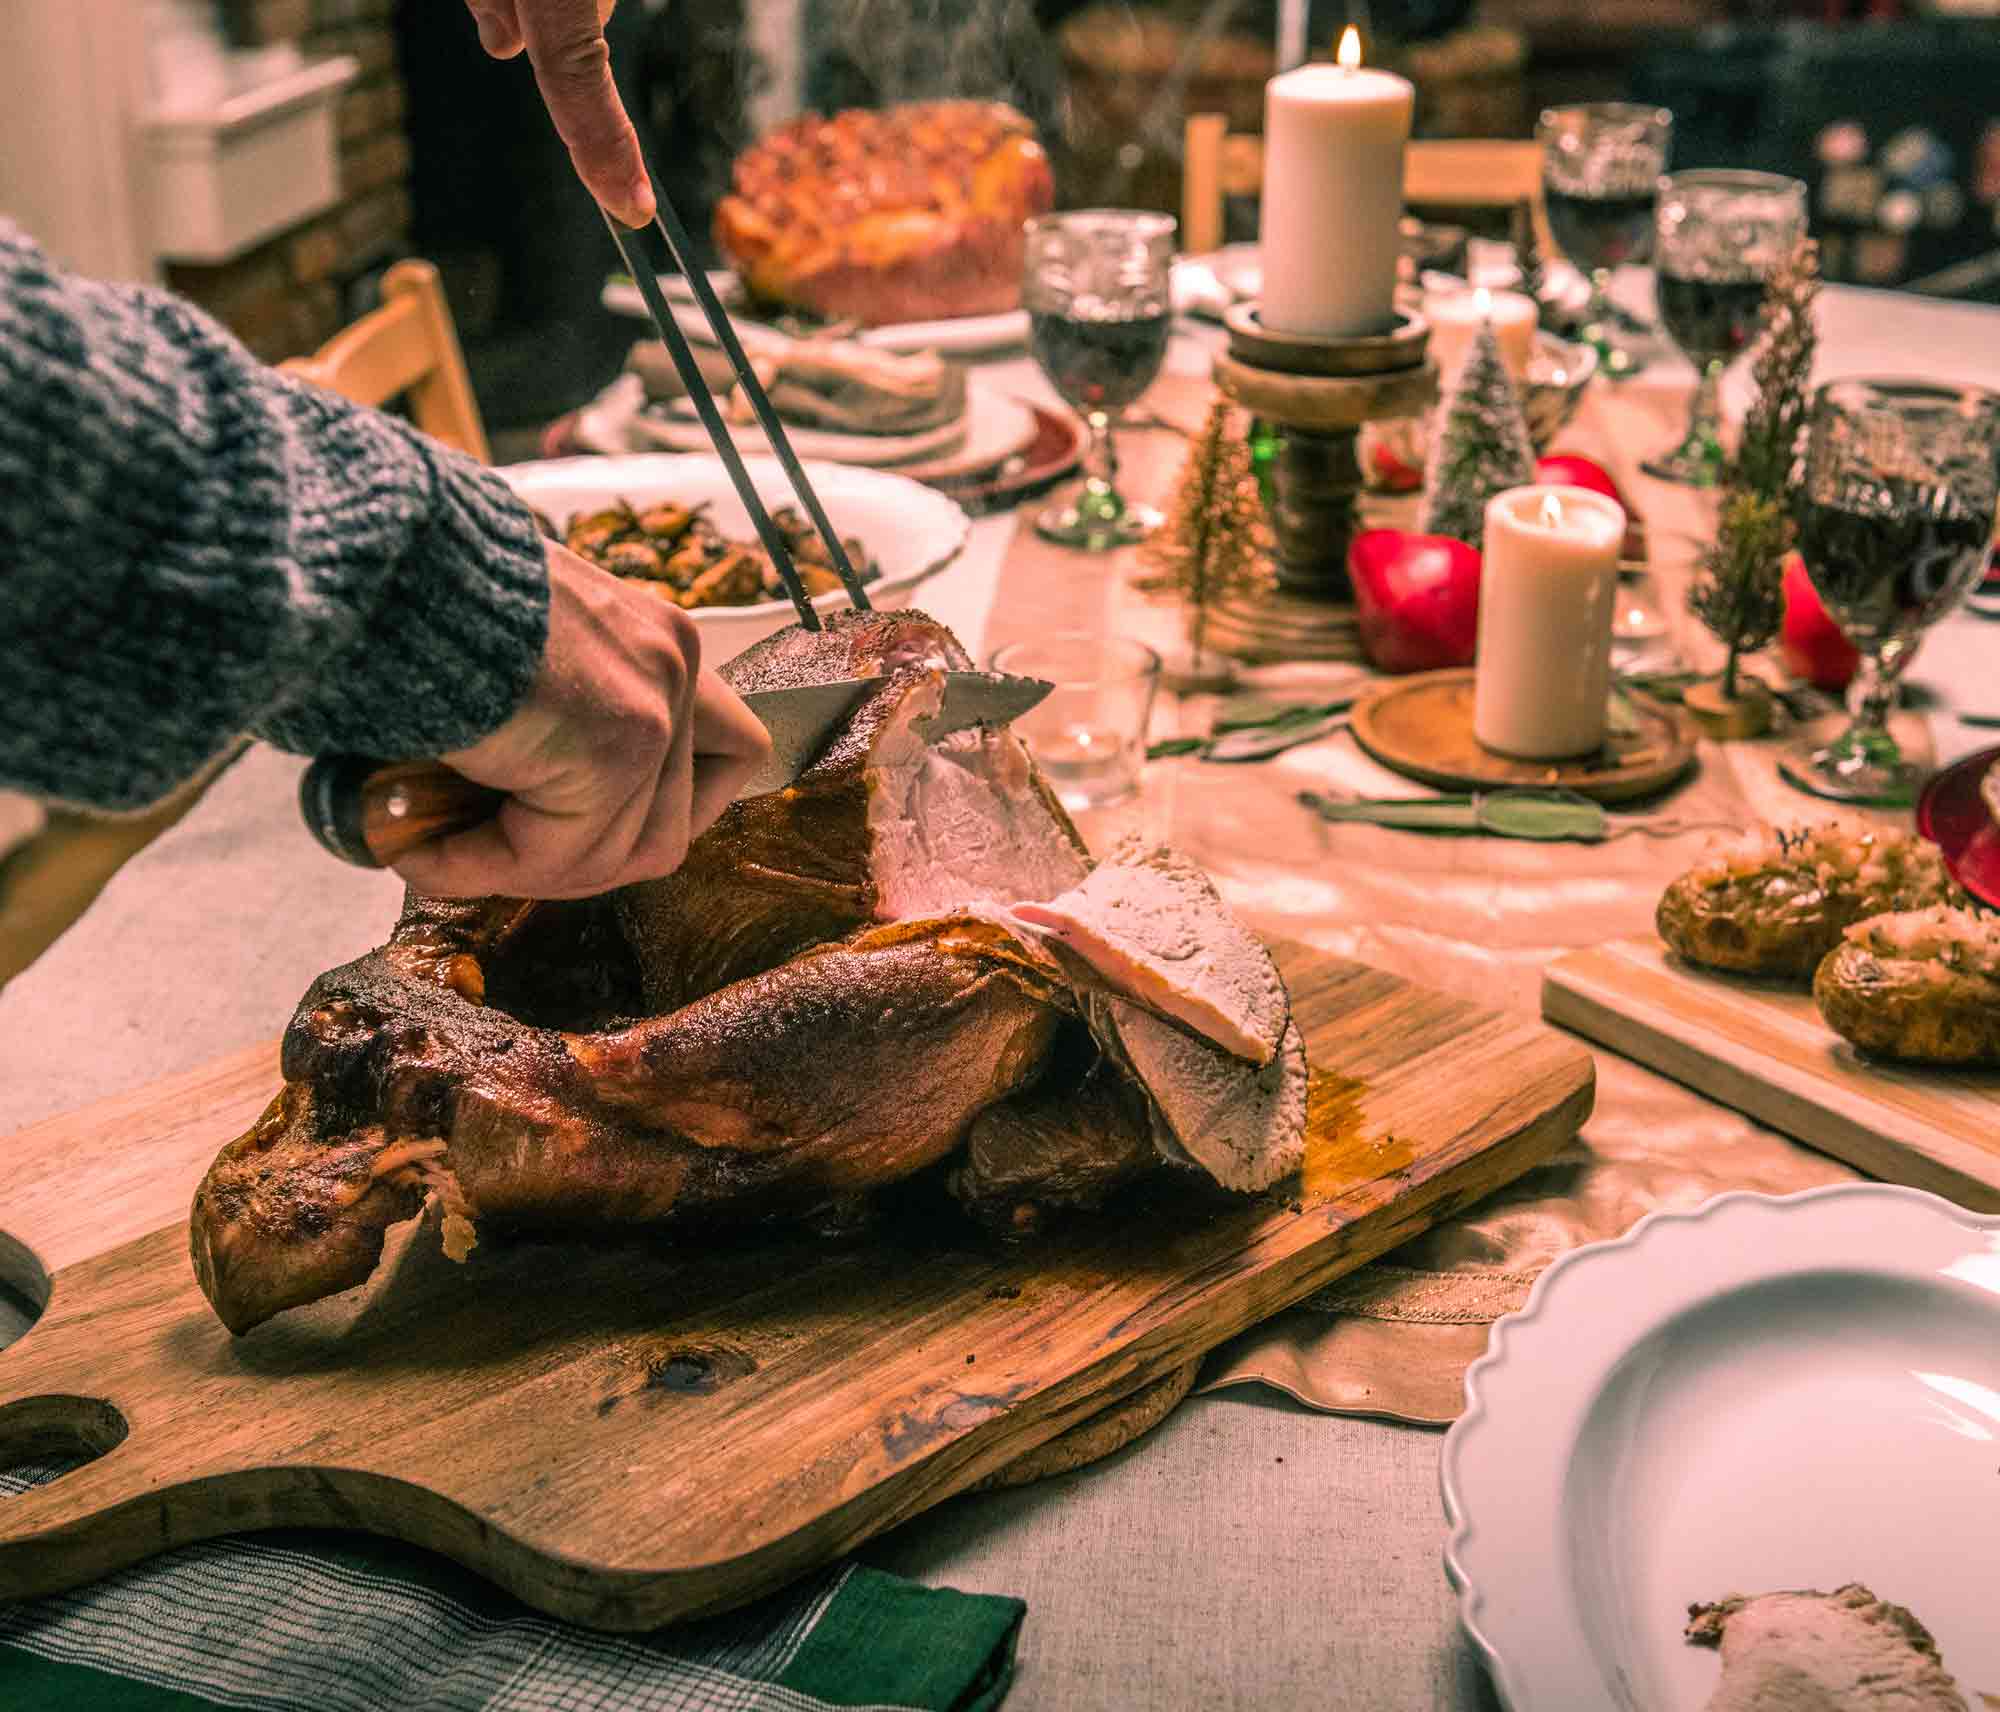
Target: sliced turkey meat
1150,924
1844,1651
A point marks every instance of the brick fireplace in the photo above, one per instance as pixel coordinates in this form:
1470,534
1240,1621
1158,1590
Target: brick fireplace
290,293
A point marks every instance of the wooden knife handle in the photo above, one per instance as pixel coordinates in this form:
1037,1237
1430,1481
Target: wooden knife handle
371,812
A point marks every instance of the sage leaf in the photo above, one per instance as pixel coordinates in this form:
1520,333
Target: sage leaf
1252,713
1261,743
1418,814
1548,817
1167,747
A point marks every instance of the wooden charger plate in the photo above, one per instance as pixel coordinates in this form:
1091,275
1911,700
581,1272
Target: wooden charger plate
1422,727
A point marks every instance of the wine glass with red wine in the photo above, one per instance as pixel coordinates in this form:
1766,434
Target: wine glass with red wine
1098,318
1895,521
1601,166
1717,237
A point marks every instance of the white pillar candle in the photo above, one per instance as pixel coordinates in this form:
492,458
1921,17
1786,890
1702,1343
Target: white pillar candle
1333,194
1547,585
1454,318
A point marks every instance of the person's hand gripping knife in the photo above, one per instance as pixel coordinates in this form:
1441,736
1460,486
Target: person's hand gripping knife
623,751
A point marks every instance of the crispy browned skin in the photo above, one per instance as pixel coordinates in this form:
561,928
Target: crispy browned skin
762,1098
1064,1143
714,1042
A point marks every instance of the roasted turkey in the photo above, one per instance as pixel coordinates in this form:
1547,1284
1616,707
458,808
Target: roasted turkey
903,963
910,213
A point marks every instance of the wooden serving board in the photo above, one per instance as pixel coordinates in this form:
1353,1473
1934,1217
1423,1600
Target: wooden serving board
1764,1050
1421,726
625,1433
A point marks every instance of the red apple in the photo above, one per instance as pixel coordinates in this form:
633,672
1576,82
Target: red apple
1416,599
1568,470
1812,644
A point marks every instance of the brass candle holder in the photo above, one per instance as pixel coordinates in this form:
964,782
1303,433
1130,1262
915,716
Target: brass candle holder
1318,392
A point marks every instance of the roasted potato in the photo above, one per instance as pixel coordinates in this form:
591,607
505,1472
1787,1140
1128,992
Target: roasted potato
1923,985
1778,904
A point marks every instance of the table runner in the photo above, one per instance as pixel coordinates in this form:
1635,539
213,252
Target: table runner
338,1623
1479,917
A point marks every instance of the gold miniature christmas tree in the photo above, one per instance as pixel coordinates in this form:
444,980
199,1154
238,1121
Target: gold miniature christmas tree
1214,544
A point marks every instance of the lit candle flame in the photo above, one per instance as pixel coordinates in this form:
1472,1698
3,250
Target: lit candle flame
1551,515
1482,300
1349,54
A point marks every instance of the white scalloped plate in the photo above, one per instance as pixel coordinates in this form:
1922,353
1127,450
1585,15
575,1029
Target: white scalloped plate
1765,1393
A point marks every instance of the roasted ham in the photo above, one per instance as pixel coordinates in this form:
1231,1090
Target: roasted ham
903,962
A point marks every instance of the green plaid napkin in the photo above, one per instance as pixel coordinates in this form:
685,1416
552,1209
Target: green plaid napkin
341,1623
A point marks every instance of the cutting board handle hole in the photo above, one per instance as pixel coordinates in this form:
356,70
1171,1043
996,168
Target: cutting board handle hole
22,1275
59,1429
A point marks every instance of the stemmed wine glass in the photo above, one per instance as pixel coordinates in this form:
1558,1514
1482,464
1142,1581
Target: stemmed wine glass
1601,166
1717,237
1096,291
1895,517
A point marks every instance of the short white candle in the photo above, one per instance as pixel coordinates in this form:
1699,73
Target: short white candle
1547,585
1333,196
1454,318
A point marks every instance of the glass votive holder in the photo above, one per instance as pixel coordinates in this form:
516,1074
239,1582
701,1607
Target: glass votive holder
1089,735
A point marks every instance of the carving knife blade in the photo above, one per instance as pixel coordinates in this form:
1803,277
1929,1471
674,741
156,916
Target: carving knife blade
371,812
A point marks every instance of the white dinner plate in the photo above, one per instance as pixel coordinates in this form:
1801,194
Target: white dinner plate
962,335
675,427
911,531
1767,1393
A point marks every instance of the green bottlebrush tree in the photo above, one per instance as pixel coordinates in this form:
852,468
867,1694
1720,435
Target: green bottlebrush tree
1481,446
1738,587
1739,590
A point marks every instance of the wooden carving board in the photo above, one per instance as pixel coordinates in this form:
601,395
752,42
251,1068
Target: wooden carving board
625,1433
1764,1050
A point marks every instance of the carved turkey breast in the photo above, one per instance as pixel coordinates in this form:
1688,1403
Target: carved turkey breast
904,962
910,213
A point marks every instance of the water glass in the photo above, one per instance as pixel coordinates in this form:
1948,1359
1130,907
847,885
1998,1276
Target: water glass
1601,166
1089,735
1895,519
1099,313
1717,237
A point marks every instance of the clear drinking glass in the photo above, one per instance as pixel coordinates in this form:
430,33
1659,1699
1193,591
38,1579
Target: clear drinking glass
1096,291
1089,734
1895,519
1717,236
1601,166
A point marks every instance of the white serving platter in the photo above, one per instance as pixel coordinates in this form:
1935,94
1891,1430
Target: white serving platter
1765,1393
963,335
910,530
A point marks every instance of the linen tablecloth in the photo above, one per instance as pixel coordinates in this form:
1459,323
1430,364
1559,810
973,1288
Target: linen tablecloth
1475,916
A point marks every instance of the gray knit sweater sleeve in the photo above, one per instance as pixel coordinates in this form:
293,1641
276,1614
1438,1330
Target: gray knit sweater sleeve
194,547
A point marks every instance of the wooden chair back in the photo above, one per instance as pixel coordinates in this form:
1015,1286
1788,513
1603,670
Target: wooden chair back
54,875
408,348
1437,173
